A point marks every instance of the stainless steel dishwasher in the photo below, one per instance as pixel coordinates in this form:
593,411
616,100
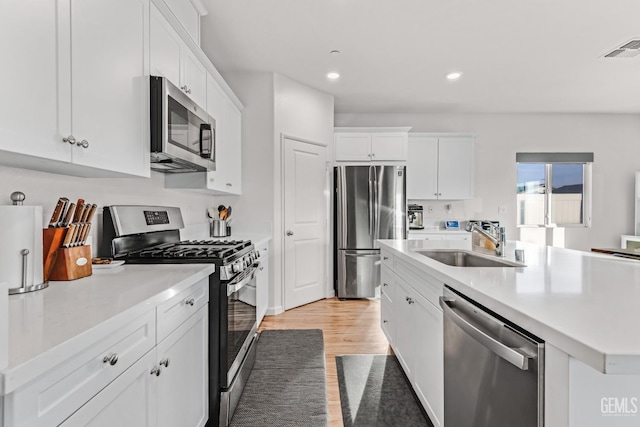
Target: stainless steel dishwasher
493,370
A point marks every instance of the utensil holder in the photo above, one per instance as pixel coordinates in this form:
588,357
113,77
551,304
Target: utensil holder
72,263
218,228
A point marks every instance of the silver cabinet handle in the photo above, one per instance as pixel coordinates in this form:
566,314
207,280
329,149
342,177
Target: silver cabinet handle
70,139
410,301
385,321
157,370
439,194
373,154
190,302
84,143
289,233
435,194
385,284
184,88
188,90
511,355
261,268
229,184
165,362
25,270
385,258
111,359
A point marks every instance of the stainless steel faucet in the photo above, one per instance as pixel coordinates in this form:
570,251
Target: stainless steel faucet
496,235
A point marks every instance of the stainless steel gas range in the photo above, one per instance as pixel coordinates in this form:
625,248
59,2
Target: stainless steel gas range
150,235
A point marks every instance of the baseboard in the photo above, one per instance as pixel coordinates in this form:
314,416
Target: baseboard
274,311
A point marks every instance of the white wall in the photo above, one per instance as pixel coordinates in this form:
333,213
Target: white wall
43,189
304,113
613,138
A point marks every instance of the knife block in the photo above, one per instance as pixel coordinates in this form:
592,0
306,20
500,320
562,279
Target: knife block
51,241
72,263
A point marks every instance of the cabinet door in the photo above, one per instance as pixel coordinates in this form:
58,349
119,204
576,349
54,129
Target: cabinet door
164,46
428,370
387,318
183,380
29,110
109,84
194,77
455,168
353,146
388,146
262,285
232,153
422,168
128,401
404,335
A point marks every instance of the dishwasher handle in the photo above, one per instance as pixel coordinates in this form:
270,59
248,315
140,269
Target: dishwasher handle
511,355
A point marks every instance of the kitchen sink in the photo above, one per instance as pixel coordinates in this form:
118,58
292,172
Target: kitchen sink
458,258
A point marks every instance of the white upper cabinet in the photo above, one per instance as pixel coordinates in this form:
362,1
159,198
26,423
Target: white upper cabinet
440,167
173,59
188,15
370,144
78,87
109,88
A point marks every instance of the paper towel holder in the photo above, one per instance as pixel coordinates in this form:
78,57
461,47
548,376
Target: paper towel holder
17,197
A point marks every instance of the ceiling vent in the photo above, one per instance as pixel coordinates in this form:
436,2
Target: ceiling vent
628,50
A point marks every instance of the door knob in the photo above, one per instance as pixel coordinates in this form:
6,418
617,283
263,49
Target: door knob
289,233
70,139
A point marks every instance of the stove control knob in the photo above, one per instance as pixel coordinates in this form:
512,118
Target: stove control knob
235,267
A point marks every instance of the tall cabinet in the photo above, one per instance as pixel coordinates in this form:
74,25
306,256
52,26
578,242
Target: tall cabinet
440,166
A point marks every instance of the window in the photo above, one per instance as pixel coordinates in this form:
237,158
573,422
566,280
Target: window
554,189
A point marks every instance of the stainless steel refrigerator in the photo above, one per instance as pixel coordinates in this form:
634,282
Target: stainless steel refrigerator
370,204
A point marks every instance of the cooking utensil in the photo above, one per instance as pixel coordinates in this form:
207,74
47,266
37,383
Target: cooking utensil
57,212
63,213
228,213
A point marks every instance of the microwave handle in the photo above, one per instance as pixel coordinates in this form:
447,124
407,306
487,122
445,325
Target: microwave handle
206,152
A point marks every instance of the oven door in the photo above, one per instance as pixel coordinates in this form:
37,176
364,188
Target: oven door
241,319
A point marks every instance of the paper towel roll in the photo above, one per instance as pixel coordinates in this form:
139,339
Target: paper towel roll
21,229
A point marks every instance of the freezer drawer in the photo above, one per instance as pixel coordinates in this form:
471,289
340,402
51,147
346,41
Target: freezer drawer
358,273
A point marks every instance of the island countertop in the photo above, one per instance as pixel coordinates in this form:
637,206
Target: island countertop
47,326
585,304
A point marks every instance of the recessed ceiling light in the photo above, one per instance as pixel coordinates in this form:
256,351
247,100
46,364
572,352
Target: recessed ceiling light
333,75
454,76
334,52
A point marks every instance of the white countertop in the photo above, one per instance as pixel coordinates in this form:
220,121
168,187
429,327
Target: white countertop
40,322
585,304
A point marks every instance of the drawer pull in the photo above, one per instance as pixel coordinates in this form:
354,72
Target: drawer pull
385,258
165,362
410,300
385,284
385,321
190,302
111,359
157,370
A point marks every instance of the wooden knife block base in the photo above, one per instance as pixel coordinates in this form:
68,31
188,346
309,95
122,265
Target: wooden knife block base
72,263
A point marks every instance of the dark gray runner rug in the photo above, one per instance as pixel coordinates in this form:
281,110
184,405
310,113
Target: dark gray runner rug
375,392
287,386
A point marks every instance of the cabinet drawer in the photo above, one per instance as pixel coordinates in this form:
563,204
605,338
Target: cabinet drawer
387,259
423,283
387,284
57,394
179,308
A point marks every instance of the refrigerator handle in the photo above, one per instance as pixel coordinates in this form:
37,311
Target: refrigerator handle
370,203
340,204
376,204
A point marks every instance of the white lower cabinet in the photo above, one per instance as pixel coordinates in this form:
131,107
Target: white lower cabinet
135,375
418,338
127,401
182,380
262,282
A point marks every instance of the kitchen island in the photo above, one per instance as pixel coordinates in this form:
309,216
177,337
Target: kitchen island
583,305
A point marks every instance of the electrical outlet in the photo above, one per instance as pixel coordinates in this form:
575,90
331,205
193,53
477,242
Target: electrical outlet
430,209
502,209
449,208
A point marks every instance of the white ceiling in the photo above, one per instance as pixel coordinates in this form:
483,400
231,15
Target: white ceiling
516,55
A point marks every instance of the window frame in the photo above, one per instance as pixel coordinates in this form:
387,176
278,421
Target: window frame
549,159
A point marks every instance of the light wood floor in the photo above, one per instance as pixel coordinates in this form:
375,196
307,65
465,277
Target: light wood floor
349,327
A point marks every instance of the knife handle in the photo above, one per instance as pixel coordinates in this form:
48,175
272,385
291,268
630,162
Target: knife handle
85,234
92,211
79,209
85,213
67,218
67,237
57,212
76,233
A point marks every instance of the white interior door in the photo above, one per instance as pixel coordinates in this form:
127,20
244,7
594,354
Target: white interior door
305,223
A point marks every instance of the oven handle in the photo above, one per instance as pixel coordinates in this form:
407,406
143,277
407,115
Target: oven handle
235,287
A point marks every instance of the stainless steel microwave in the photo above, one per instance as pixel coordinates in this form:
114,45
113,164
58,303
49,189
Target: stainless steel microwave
183,135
